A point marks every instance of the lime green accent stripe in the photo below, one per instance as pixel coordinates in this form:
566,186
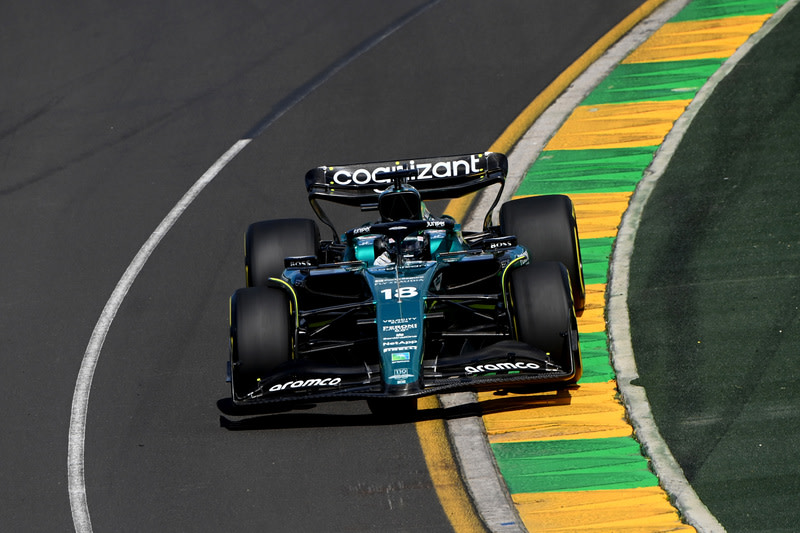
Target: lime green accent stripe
716,9
503,279
569,465
653,82
596,363
586,171
595,254
295,307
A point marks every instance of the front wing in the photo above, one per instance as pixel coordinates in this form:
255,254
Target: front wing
508,363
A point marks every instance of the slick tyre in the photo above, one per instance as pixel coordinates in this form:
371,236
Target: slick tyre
267,243
261,336
547,228
542,314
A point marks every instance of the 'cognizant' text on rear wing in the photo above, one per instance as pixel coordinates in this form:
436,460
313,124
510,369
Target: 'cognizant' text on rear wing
435,178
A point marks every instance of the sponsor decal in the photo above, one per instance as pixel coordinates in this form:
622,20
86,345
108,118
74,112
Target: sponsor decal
435,169
401,375
499,243
497,367
393,281
410,342
300,261
400,328
391,349
401,357
401,320
306,383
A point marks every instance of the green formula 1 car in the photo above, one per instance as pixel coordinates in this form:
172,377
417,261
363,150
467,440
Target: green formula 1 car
409,304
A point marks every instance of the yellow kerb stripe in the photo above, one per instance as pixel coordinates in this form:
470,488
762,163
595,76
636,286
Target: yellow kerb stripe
599,214
617,125
702,39
642,510
593,318
590,411
444,472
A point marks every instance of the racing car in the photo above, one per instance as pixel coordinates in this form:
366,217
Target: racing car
407,304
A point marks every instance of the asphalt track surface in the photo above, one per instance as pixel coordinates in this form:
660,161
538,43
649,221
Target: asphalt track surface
110,114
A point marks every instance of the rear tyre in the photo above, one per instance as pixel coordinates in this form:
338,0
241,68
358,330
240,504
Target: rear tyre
542,314
260,334
267,243
547,228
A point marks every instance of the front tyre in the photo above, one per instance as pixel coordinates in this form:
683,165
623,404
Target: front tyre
260,336
547,228
542,313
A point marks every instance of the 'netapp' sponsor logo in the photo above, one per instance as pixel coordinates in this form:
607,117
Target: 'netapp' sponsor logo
304,384
406,340
438,169
496,367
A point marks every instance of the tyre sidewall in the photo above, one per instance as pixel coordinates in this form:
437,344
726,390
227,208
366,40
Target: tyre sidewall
260,333
541,309
269,242
546,227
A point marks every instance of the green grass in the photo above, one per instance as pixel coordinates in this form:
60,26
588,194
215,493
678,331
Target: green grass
714,293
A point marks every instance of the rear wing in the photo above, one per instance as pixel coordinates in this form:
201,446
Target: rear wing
435,178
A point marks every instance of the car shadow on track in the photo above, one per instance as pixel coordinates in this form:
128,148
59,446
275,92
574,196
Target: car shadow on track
503,401
307,415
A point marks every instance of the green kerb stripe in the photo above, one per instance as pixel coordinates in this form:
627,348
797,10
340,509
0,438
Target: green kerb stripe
570,465
653,82
716,9
596,362
587,171
595,254
612,463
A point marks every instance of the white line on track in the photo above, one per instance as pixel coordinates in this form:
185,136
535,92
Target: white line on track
76,480
83,385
